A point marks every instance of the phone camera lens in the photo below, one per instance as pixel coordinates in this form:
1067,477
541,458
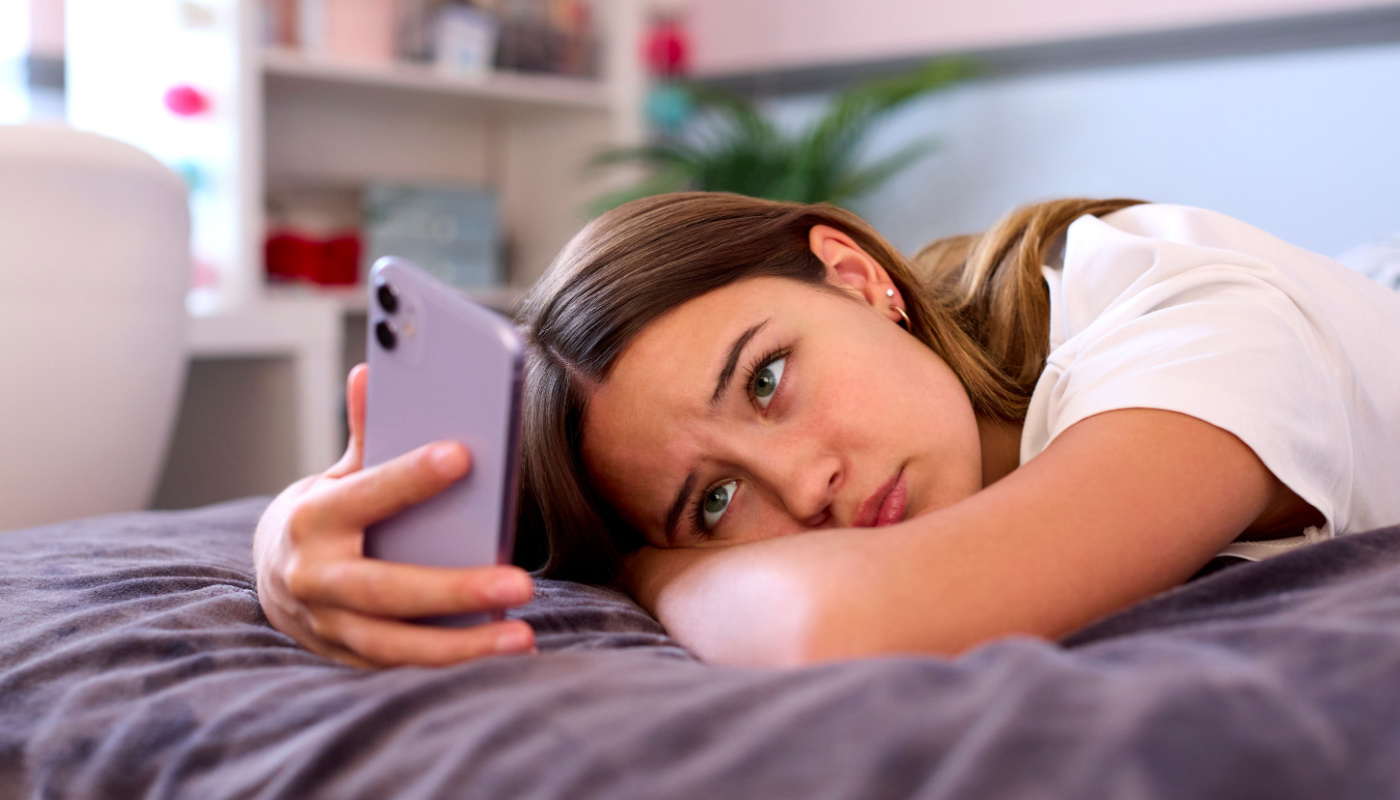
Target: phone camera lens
384,332
388,300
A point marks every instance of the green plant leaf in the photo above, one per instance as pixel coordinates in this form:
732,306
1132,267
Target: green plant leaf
737,148
834,137
743,118
864,180
663,181
657,155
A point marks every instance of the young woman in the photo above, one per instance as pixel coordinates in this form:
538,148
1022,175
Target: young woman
1012,433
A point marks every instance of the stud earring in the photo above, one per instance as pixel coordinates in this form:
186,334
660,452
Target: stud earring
889,293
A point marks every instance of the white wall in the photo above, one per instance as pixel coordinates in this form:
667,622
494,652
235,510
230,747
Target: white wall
14,45
29,28
747,35
1302,144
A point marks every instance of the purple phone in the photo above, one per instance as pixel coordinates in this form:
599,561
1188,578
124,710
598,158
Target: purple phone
443,367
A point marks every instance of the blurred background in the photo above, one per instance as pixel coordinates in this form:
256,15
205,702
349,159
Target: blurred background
312,136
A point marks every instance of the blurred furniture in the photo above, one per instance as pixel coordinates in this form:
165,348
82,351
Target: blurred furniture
94,268
246,124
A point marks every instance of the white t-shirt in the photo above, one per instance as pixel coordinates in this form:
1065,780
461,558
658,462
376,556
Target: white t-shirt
1188,310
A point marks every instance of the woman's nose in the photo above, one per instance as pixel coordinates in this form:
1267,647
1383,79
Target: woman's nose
806,485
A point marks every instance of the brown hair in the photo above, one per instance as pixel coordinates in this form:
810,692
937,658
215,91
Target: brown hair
978,301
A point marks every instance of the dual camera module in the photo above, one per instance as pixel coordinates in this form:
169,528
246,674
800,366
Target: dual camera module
383,330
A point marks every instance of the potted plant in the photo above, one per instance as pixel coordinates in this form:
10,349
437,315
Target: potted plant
739,149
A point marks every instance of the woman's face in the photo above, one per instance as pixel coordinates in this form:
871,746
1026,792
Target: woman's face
770,407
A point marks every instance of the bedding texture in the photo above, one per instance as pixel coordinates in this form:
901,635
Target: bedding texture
135,662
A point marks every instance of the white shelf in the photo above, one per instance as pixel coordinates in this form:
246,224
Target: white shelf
524,90
283,120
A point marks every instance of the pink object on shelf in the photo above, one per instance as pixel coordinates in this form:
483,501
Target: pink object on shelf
359,30
185,100
204,273
667,49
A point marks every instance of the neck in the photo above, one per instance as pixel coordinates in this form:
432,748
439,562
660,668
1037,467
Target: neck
1001,448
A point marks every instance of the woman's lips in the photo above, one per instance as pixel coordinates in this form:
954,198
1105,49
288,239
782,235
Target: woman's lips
892,509
886,506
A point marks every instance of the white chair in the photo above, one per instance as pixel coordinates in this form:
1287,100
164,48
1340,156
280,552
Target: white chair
94,267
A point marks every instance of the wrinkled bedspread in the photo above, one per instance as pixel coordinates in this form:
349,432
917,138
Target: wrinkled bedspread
135,662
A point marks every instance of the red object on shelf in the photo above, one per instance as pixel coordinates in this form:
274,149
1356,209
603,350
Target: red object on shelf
329,262
667,49
184,100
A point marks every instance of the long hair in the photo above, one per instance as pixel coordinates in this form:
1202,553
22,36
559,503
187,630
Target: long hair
979,302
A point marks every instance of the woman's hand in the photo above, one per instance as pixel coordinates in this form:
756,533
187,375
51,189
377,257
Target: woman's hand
316,585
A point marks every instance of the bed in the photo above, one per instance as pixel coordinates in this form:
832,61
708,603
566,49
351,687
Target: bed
135,662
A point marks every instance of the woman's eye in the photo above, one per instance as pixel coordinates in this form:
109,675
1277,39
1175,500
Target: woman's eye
715,502
765,383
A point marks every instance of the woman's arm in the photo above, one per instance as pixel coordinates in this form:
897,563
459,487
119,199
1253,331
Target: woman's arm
1119,507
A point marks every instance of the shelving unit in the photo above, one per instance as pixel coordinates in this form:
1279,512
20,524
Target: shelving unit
524,91
280,120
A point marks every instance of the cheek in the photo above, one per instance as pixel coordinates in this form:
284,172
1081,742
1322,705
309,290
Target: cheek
905,402
875,393
759,518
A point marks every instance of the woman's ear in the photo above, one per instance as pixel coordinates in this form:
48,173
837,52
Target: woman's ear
851,268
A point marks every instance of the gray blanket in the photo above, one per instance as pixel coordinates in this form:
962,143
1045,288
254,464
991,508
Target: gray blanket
135,662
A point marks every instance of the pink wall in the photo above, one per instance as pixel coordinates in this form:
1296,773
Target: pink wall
747,35
46,27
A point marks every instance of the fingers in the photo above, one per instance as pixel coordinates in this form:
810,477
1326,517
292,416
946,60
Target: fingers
388,589
355,394
390,643
353,460
369,495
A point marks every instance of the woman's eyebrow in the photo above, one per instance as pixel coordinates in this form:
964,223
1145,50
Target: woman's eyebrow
735,350
673,515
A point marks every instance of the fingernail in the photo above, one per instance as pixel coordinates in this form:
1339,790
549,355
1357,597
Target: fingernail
448,459
511,589
515,640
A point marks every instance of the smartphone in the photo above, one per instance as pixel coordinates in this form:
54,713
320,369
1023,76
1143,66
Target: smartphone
442,367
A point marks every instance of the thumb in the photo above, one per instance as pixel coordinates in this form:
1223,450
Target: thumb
354,456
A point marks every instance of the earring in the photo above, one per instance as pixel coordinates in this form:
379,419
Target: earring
904,318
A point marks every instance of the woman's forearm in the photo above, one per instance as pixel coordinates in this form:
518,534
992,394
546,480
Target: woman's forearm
824,595
1076,534
729,605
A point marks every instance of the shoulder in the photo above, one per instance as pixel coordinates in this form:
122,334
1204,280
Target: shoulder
1141,256
1154,236
1179,224
1188,310
1158,254
1156,251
